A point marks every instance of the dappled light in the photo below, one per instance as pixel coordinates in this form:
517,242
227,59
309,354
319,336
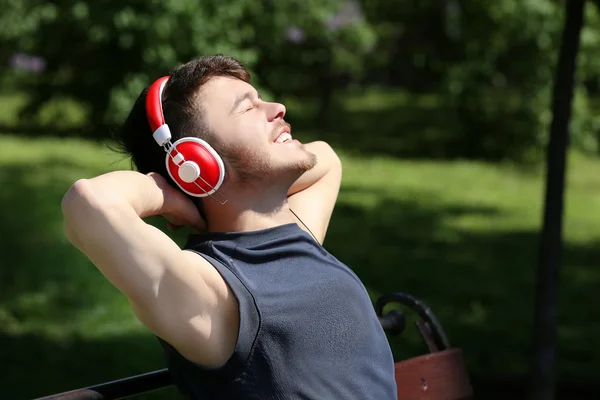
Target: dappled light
440,113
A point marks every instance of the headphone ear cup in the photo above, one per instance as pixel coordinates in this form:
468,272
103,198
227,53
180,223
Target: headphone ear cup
208,161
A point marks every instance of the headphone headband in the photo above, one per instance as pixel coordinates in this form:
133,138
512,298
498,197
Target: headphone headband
154,109
154,112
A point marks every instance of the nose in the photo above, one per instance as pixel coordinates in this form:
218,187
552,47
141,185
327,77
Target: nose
275,111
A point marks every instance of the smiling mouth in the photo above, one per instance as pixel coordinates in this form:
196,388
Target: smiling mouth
283,137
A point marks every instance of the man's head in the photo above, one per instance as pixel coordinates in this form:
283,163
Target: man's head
211,98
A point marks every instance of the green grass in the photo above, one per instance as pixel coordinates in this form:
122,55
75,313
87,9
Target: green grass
461,236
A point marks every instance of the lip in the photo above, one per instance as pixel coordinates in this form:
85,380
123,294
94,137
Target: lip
285,129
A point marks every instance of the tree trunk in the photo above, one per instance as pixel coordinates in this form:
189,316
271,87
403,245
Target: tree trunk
550,250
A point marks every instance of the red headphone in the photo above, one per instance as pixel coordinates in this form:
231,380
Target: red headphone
191,162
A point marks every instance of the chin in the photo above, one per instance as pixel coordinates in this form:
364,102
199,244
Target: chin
310,161
302,162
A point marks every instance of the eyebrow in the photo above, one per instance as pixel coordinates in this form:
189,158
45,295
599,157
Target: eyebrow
239,99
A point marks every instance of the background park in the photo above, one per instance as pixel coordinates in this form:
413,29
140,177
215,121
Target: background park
440,111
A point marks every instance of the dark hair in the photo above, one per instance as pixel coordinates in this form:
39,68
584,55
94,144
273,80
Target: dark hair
182,110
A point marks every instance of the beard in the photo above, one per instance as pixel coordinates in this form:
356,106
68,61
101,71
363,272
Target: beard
255,167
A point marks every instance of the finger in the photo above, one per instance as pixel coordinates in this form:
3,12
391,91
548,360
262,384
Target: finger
200,226
178,206
157,178
188,211
173,227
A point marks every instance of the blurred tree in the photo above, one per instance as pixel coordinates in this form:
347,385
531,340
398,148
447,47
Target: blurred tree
501,89
500,85
413,41
585,125
102,53
311,48
493,64
489,64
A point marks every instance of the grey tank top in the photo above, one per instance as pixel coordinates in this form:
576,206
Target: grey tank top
308,329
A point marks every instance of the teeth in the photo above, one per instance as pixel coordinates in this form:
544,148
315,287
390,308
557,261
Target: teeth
283,137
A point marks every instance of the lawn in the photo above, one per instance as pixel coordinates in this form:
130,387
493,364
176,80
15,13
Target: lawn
462,236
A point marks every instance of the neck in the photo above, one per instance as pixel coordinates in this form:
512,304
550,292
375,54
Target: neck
248,210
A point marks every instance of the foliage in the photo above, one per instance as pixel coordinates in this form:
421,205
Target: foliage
586,113
311,41
503,88
115,49
493,65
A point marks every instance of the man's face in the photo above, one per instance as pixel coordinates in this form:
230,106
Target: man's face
253,138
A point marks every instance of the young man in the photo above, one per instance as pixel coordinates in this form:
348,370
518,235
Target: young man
253,307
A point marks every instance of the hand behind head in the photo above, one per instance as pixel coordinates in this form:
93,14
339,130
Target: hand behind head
178,209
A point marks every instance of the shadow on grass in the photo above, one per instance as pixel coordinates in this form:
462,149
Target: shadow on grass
35,255
36,365
480,285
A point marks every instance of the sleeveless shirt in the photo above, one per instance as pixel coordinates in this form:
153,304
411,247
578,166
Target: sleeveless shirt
308,329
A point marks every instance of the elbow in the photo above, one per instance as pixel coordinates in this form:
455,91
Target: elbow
336,164
328,156
73,206
80,203
334,161
75,198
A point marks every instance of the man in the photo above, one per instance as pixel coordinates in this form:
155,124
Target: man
253,307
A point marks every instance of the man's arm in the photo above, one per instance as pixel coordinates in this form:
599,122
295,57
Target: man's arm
312,197
177,294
